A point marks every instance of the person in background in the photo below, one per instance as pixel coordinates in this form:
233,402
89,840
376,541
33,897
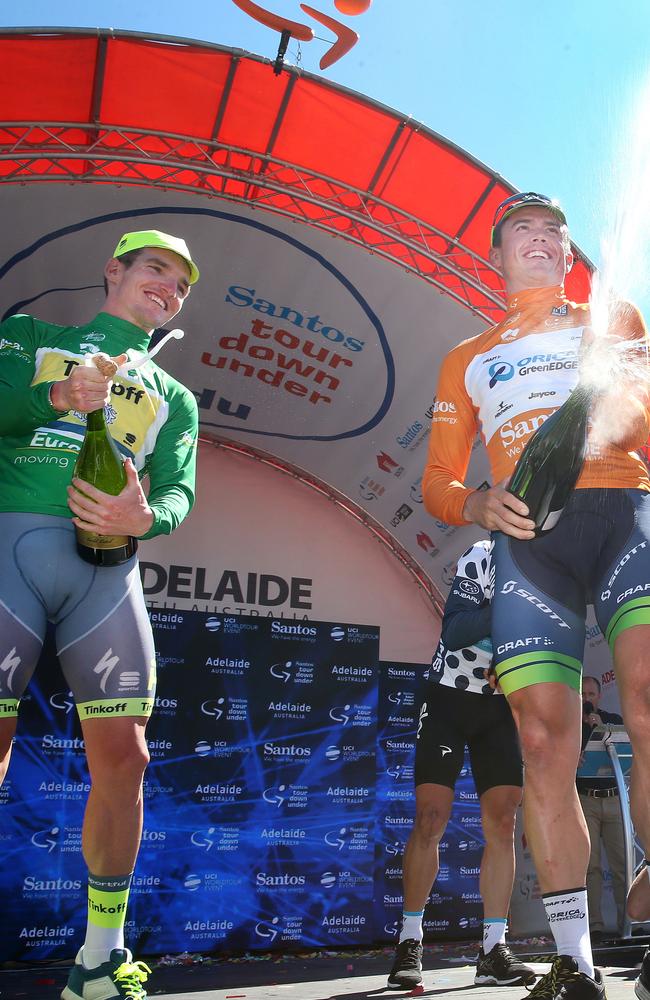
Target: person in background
460,709
104,639
602,810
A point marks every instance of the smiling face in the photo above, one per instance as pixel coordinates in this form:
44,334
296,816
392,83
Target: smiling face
149,292
533,250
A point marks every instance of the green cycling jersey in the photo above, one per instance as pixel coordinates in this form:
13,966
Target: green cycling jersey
152,418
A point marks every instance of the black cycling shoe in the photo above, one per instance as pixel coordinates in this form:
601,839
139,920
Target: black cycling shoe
500,968
407,967
566,982
642,983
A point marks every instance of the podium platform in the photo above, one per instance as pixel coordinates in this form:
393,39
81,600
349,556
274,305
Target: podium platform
322,976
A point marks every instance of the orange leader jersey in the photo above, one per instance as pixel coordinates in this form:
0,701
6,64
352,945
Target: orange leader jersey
506,382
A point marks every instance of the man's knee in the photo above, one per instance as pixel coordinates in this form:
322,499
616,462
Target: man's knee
499,814
430,824
547,736
637,722
122,752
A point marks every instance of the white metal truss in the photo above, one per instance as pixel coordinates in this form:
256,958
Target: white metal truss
81,152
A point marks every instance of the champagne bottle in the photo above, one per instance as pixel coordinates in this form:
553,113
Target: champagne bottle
100,464
551,462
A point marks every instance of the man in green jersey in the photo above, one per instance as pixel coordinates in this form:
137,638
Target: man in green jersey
103,636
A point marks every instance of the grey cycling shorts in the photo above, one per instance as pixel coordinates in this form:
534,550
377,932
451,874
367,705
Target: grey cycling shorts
103,636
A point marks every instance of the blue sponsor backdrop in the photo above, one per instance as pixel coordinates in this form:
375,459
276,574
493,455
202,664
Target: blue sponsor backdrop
277,804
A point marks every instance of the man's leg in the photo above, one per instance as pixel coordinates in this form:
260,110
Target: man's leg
498,813
496,965
432,811
638,898
7,733
117,755
632,663
548,719
592,812
433,805
633,680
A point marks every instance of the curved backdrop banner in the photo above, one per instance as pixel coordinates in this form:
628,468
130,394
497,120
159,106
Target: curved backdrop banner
296,342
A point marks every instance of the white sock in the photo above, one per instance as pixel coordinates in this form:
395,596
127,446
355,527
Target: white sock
494,932
99,944
411,926
568,918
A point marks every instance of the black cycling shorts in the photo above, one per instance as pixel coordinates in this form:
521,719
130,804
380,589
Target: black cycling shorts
451,720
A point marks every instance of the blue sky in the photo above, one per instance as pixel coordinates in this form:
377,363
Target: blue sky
539,92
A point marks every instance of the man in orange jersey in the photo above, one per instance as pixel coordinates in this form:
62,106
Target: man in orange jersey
508,380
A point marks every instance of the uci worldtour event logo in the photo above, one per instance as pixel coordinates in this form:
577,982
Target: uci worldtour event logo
352,715
348,753
293,671
210,882
228,624
223,749
345,880
356,634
